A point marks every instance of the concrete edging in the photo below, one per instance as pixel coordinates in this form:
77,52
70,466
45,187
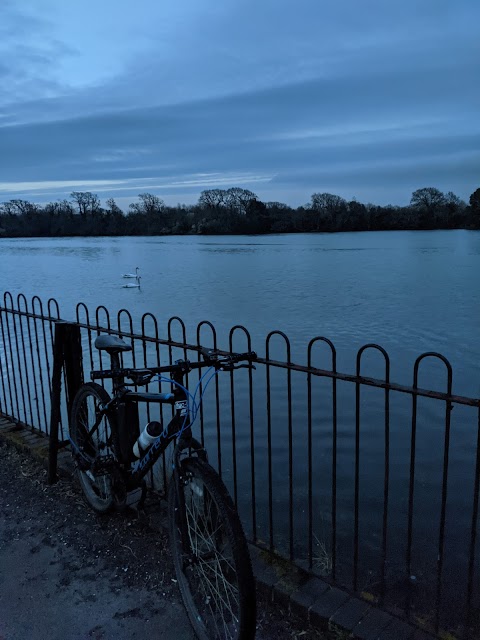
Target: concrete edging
304,595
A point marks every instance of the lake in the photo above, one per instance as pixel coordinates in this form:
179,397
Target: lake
410,292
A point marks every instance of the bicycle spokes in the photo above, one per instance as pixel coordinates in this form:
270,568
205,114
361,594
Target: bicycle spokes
211,564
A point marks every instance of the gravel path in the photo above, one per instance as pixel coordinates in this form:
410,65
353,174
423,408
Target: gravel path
68,574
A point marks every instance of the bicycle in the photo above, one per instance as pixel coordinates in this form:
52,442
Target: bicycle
210,552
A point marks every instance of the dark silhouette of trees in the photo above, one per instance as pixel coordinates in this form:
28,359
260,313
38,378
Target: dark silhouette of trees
455,209
114,218
23,207
148,205
222,211
62,207
238,200
427,198
86,202
212,213
475,201
329,211
234,211
113,208
474,210
428,201
61,218
282,218
257,217
212,198
357,217
147,215
235,199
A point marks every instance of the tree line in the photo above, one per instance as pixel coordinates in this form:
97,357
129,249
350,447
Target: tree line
233,211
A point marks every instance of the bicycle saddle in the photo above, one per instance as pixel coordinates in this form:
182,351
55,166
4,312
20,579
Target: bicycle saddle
111,344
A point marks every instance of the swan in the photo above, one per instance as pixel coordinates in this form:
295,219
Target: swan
131,275
130,285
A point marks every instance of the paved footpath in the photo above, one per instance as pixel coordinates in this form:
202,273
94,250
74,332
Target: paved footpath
68,574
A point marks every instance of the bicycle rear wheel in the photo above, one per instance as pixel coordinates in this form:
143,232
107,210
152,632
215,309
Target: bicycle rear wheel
93,455
216,579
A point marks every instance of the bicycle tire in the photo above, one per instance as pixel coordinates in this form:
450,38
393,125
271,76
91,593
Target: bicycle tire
96,489
240,621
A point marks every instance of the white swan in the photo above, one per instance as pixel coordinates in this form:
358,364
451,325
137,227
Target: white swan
131,275
130,285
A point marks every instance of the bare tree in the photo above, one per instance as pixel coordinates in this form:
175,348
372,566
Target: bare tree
427,198
19,207
279,206
238,200
212,198
86,202
61,207
453,203
24,206
113,207
7,208
149,204
329,208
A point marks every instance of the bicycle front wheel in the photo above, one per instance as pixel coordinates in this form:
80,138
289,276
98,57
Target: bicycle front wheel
215,578
93,454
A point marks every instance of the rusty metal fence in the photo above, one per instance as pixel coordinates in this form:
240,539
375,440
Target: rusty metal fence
371,484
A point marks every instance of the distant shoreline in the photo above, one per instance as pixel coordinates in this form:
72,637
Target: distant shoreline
216,235
232,212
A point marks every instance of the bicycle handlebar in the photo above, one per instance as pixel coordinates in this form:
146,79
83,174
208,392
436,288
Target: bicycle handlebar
212,358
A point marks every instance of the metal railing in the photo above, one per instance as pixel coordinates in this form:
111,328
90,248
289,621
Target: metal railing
388,510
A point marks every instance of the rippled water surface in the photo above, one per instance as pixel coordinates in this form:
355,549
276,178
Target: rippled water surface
410,292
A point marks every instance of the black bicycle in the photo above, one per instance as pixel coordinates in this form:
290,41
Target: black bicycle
112,458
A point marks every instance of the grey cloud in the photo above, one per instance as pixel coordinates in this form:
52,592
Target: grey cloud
379,100
250,119
247,46
29,56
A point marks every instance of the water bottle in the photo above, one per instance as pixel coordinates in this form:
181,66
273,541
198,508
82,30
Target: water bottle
148,435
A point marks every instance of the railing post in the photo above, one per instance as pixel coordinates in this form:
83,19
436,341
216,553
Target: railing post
67,351
55,400
73,361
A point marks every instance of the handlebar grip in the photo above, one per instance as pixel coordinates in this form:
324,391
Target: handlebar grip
108,373
100,375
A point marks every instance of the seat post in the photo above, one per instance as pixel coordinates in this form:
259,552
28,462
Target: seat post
114,361
113,346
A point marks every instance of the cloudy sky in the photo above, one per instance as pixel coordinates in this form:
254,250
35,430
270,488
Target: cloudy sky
369,99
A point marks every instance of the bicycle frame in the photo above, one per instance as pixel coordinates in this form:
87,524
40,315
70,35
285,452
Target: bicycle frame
180,422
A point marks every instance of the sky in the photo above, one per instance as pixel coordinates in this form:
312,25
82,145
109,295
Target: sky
370,99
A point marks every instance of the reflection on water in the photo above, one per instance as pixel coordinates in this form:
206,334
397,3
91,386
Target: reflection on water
83,253
344,249
229,250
